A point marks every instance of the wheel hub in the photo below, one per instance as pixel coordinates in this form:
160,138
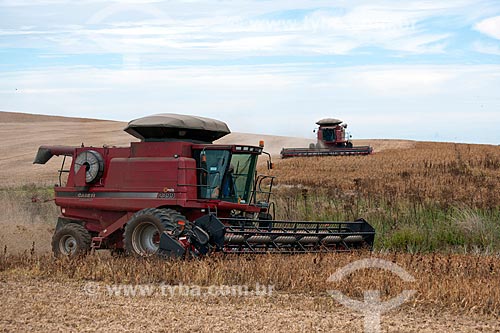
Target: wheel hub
146,239
68,245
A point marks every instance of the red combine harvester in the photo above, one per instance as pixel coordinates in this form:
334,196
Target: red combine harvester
175,193
332,141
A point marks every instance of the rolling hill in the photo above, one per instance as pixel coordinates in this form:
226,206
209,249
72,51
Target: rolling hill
23,133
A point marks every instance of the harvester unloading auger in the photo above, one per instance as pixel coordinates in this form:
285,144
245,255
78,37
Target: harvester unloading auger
175,194
332,141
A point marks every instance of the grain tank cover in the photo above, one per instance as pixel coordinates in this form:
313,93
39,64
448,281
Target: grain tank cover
170,126
329,122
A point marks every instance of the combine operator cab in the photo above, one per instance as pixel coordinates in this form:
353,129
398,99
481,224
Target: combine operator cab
227,175
176,193
332,133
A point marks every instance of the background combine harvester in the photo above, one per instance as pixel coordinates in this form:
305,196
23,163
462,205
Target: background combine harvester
332,141
176,193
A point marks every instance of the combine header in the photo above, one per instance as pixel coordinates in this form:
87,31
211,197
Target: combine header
176,194
332,141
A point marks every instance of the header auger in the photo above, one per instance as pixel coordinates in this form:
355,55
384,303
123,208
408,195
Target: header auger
176,194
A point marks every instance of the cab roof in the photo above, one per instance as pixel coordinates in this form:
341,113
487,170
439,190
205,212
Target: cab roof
171,126
329,122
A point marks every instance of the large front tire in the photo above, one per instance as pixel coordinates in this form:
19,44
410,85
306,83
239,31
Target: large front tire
142,233
72,240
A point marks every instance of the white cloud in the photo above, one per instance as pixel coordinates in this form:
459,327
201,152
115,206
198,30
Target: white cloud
239,29
486,47
411,102
403,80
490,27
414,101
52,91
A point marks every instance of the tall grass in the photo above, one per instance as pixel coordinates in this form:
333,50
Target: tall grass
401,225
27,204
436,196
435,174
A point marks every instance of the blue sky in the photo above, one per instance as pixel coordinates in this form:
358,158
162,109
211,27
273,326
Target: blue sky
423,70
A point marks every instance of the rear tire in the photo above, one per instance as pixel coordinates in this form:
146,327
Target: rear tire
72,240
142,233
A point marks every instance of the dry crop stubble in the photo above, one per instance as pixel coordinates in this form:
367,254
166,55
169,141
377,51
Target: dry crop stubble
462,283
431,172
